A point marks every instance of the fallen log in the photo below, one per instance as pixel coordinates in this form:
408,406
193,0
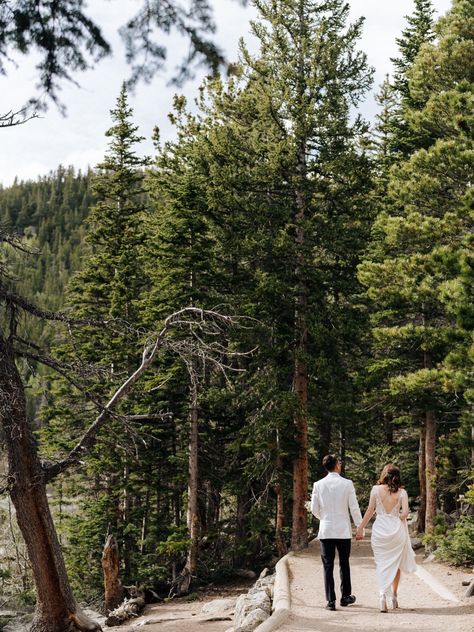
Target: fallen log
129,608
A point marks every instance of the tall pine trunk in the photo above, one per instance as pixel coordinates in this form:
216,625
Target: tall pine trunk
193,522
56,609
280,506
299,533
420,527
430,460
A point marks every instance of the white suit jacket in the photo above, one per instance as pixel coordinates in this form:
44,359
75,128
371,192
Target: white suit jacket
332,499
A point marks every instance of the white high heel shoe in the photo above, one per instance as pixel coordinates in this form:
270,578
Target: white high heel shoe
394,602
383,603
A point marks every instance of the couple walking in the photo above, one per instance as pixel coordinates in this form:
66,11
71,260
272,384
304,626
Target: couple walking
332,499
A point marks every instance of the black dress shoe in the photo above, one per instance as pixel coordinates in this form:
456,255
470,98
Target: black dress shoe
347,601
331,605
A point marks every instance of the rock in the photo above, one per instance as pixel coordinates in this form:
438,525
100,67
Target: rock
264,573
265,581
218,605
249,603
429,559
416,543
267,588
230,630
252,620
266,584
466,582
245,573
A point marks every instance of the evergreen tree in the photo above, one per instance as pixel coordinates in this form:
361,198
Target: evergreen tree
109,288
414,244
288,226
314,74
419,31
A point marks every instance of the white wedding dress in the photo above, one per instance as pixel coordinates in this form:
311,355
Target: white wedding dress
390,539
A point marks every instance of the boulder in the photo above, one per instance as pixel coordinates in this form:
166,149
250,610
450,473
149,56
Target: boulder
267,588
416,543
249,603
252,620
264,573
218,605
266,584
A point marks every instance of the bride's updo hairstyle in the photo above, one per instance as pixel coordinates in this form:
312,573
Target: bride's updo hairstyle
390,477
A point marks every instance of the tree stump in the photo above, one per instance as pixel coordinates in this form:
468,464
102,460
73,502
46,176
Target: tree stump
114,592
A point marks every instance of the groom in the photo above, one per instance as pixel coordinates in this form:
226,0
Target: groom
332,499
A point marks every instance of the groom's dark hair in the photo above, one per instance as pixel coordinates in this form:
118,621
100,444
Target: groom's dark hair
330,461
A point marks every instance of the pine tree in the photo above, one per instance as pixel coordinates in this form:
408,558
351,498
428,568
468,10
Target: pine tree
109,287
415,242
288,225
419,31
314,73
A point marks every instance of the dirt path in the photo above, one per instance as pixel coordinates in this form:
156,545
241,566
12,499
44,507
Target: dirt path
422,610
182,615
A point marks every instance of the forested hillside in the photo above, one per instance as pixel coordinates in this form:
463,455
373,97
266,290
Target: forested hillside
340,254
50,215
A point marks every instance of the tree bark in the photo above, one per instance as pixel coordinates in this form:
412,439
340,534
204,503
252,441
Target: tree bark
280,522
193,509
430,458
114,592
299,534
324,446
342,447
280,507
56,609
420,526
185,578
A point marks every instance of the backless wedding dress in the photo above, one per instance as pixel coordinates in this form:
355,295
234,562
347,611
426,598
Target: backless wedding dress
390,539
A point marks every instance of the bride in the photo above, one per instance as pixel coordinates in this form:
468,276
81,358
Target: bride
390,539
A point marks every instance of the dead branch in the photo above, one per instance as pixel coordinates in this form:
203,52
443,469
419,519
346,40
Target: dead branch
61,368
15,300
207,320
18,117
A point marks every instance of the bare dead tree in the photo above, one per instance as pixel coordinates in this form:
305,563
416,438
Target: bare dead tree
28,476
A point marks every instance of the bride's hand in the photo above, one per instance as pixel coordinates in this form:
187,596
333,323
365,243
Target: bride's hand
359,534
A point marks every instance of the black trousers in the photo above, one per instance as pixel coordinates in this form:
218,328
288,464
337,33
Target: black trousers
328,553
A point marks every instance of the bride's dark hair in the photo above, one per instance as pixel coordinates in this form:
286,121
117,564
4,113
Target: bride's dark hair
390,477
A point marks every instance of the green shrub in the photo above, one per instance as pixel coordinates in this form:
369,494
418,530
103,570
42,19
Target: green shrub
457,544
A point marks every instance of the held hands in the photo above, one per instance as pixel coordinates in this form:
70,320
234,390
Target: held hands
360,533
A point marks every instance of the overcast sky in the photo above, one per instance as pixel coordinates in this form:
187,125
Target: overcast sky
78,139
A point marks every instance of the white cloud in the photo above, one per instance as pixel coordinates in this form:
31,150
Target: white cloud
41,145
